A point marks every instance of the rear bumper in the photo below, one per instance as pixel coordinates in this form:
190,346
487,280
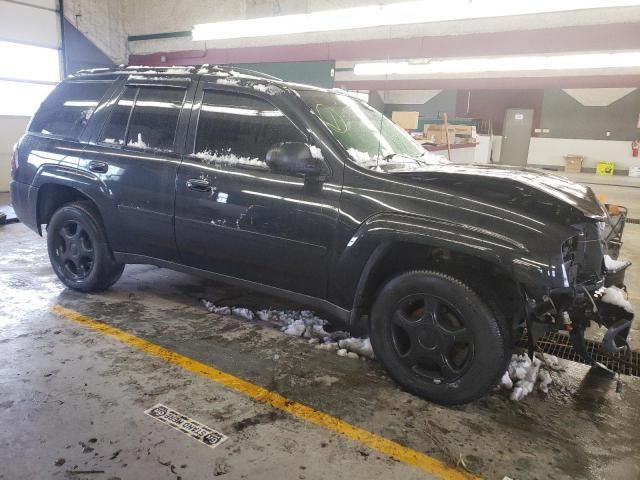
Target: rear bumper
24,199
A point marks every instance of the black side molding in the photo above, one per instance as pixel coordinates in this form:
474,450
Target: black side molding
337,315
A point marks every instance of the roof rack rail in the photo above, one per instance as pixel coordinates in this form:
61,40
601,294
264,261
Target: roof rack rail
136,69
254,73
228,69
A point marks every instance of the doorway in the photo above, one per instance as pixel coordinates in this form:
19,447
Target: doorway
516,136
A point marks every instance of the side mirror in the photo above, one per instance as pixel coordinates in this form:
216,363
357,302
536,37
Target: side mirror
294,157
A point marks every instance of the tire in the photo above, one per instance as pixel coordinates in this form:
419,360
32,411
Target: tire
78,249
437,338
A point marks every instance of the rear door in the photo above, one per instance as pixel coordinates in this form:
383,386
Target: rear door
133,161
236,217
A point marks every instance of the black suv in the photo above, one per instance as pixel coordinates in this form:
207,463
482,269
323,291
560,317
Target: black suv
312,195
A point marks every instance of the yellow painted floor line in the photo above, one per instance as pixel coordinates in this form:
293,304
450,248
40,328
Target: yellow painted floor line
376,442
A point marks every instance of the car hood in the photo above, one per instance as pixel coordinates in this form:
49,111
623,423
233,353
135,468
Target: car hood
485,180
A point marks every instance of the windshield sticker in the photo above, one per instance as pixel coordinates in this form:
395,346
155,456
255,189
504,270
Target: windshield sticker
331,119
186,425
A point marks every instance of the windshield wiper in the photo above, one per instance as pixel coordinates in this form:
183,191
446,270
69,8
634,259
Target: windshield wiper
407,158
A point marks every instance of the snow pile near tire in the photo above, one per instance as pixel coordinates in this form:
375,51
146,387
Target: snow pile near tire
524,375
303,324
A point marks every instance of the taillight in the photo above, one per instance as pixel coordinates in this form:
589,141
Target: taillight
14,161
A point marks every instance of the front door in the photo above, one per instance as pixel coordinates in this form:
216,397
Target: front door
236,217
516,136
133,160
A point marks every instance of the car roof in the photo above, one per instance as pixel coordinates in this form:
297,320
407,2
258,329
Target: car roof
214,71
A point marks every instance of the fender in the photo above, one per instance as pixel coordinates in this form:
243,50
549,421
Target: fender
85,183
381,232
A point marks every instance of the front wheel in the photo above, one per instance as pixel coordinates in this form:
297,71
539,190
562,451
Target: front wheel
78,249
437,338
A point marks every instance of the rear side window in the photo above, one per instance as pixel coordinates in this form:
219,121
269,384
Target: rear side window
145,117
116,129
67,110
240,129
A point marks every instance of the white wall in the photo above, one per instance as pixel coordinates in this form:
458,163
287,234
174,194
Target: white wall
11,129
551,152
33,22
102,22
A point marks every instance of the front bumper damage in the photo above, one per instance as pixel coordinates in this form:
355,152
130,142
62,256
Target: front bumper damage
600,300
575,309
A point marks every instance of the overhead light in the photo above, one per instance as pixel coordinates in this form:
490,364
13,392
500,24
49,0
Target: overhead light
401,13
582,61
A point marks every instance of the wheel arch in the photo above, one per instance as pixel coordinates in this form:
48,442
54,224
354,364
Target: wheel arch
487,271
52,196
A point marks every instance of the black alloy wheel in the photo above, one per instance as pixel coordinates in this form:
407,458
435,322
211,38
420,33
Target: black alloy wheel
437,338
73,250
430,338
78,248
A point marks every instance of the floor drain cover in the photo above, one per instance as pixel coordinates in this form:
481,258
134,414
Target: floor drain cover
559,344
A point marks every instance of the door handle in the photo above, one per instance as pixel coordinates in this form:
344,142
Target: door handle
99,167
199,185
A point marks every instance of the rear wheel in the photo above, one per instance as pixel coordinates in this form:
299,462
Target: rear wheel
437,338
78,249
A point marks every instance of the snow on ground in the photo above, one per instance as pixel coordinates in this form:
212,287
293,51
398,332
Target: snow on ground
304,324
523,375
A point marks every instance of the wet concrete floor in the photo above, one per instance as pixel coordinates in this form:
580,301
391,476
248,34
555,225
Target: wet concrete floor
72,400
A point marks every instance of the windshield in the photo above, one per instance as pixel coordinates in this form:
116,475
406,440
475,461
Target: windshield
370,138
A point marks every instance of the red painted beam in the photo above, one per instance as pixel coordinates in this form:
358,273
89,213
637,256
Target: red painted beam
619,36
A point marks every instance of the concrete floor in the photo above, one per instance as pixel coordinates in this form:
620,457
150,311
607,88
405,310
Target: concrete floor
72,399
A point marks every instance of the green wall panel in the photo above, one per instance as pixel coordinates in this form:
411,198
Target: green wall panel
565,117
318,73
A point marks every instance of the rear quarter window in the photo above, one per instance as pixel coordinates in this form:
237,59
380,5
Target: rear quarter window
145,117
67,110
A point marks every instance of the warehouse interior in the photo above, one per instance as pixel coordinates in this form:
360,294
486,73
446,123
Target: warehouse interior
551,86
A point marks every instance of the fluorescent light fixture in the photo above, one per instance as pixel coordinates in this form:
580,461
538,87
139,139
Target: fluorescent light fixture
582,61
22,99
27,62
401,13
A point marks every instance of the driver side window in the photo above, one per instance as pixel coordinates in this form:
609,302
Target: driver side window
237,130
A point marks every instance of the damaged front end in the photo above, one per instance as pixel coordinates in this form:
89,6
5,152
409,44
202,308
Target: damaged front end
593,290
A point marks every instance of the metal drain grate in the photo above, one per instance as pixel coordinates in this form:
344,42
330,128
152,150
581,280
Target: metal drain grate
632,220
559,344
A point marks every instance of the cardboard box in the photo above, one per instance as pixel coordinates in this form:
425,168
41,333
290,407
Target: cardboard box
407,120
463,133
436,133
573,163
